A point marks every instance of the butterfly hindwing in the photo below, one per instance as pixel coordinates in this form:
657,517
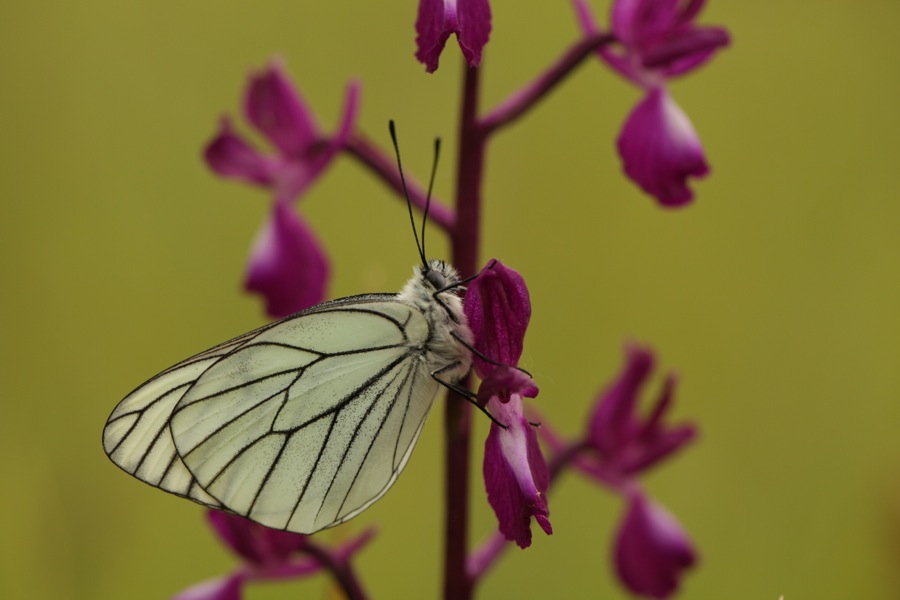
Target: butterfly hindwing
137,436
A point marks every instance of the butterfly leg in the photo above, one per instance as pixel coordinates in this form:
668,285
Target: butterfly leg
486,359
467,394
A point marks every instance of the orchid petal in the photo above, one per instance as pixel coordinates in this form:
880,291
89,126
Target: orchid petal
498,309
231,156
589,26
296,177
348,115
686,50
613,423
655,448
273,104
639,23
474,29
287,265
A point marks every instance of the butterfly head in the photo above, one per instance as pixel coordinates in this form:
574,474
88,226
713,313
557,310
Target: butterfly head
439,274
423,289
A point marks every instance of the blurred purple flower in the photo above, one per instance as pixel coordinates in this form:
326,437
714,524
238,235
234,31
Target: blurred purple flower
256,544
268,554
498,309
651,549
658,40
627,443
660,149
287,264
470,20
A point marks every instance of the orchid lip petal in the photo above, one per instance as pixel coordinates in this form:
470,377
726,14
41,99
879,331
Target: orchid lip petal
515,474
660,149
652,550
287,266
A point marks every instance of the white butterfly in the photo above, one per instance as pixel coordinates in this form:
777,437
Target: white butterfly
301,424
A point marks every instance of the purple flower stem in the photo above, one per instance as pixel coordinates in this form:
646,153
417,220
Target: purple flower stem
483,558
385,167
459,579
523,100
340,569
465,242
565,456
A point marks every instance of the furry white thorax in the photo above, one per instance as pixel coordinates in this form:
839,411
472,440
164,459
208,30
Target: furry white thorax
445,317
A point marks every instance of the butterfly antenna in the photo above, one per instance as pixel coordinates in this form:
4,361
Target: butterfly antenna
437,153
412,219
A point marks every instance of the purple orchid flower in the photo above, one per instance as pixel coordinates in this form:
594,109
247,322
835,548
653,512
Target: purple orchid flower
470,20
658,40
498,309
287,265
628,444
267,554
651,550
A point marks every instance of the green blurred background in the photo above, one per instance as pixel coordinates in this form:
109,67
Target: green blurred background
775,296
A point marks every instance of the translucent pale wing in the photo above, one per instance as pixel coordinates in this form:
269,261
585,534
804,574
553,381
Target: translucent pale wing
299,425
137,436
